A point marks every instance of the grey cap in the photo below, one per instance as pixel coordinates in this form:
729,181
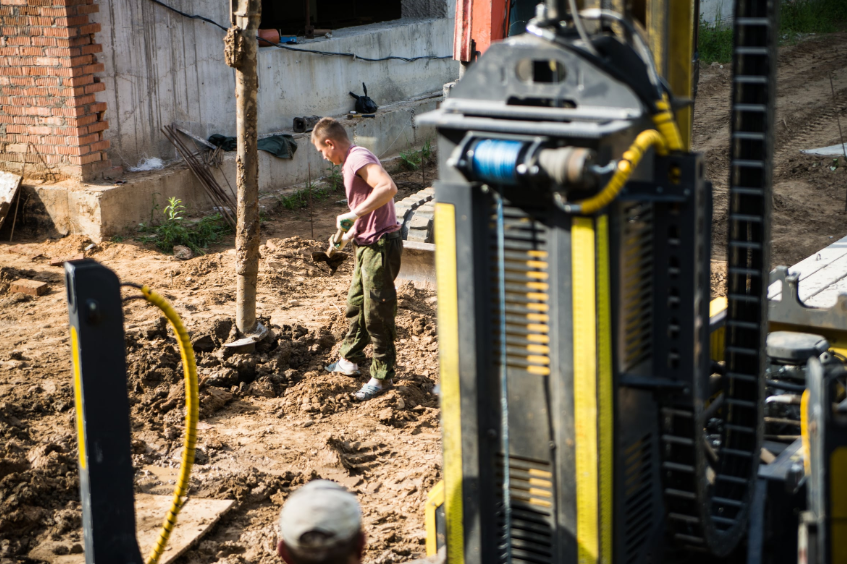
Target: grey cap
319,506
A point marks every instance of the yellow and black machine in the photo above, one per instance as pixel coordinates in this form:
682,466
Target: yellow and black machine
596,407
95,308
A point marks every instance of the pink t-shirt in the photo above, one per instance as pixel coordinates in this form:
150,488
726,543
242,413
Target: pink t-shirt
370,227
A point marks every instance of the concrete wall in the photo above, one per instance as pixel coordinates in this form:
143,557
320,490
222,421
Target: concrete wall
162,68
716,10
101,209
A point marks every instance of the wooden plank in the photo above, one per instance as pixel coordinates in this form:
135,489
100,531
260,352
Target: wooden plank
29,287
195,520
824,269
9,185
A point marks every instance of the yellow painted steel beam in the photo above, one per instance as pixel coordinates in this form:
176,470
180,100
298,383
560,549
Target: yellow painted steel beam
670,33
451,416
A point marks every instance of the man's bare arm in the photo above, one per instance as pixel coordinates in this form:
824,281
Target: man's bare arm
383,191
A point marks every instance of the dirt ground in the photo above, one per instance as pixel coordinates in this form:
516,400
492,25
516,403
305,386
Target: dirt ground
274,420
809,197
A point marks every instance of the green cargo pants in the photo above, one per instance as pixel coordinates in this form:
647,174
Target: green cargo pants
372,305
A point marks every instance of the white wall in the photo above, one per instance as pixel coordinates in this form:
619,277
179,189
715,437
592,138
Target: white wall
162,68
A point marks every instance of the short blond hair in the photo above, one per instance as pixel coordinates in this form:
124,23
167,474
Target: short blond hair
329,128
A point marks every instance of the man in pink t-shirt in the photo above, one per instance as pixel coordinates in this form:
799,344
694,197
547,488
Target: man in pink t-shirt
372,299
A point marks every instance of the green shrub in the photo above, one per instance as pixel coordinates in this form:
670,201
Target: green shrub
175,230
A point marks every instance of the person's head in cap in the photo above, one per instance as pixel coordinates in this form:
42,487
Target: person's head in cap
321,523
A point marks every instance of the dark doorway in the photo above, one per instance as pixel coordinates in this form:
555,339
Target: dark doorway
289,17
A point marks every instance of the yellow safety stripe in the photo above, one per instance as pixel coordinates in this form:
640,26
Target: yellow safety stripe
605,399
804,432
451,417
585,388
80,424
434,499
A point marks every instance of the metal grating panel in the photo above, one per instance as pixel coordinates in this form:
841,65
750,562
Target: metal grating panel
638,497
531,496
527,303
637,285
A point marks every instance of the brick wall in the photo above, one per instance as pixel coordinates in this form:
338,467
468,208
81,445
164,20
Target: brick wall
49,115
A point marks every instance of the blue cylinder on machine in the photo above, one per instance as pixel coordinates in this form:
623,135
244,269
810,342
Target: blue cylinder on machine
495,161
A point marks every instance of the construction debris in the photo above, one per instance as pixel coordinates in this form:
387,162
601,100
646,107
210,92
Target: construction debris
29,287
62,261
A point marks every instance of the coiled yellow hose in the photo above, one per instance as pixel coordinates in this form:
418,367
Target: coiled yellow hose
630,160
192,412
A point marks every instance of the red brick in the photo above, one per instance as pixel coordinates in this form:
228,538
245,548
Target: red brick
80,100
37,111
83,140
91,69
40,20
96,87
76,20
39,130
53,121
5,11
81,60
15,128
45,41
26,120
90,9
72,150
90,28
62,52
101,145
15,20
47,61
60,31
29,287
78,80
32,51
99,107
98,126
53,12
77,41
20,40
68,112
89,49
75,131
81,120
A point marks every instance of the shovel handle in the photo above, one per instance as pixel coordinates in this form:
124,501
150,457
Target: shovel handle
335,242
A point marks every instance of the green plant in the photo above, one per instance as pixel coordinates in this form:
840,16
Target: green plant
410,160
426,150
714,41
800,17
176,230
117,239
797,18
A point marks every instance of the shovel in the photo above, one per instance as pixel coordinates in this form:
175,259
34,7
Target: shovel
333,256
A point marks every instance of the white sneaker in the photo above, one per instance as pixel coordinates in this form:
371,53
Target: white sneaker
344,366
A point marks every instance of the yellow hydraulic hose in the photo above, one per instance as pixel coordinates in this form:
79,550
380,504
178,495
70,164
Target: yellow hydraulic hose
666,124
191,415
630,160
